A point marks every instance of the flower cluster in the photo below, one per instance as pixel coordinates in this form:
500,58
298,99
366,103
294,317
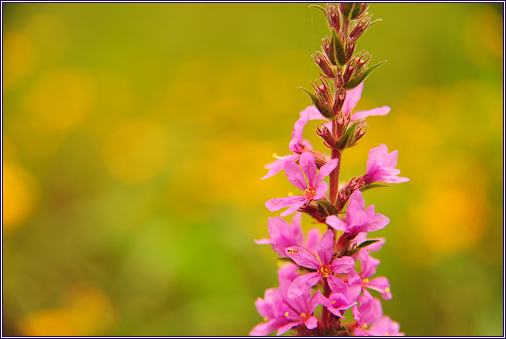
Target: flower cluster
326,280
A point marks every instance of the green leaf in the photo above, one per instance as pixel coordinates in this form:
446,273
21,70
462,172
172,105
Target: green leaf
356,10
348,8
367,187
365,244
325,112
343,142
339,48
325,208
355,82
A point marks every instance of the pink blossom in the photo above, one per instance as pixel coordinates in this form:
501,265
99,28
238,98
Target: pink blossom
360,281
369,310
323,265
380,166
358,220
305,178
283,235
382,327
282,313
337,303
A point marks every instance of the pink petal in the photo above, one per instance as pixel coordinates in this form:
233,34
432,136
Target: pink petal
313,238
326,169
312,113
297,135
352,99
287,327
321,190
356,204
325,247
264,241
311,323
373,112
293,208
295,174
337,285
343,265
390,160
302,284
278,165
264,329
368,264
302,257
336,223
378,222
382,285
278,203
308,166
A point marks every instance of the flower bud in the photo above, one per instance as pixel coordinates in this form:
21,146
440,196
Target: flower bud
339,100
361,27
325,64
333,17
330,51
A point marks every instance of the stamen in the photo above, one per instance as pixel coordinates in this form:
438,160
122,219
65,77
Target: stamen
387,290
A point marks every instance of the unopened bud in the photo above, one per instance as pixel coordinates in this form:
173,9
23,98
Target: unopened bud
329,50
358,10
350,48
360,28
339,100
334,17
326,66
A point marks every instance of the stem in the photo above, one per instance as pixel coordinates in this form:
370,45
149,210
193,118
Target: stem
334,175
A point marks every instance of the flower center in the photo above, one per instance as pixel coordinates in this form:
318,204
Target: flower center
325,271
310,193
304,317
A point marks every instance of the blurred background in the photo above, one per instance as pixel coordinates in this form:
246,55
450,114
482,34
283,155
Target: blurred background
135,137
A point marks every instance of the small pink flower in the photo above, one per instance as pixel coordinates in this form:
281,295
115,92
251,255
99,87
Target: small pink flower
369,310
358,220
337,303
324,266
381,328
283,235
305,178
381,166
360,281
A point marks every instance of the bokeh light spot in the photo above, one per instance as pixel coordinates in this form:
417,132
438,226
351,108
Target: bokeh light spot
18,198
59,99
136,151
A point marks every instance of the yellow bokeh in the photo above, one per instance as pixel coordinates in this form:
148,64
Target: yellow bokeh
18,195
86,311
59,99
451,214
136,151
18,58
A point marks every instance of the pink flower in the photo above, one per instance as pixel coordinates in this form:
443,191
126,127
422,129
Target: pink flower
382,328
337,303
324,266
283,235
297,145
358,221
282,313
360,281
368,311
380,166
306,179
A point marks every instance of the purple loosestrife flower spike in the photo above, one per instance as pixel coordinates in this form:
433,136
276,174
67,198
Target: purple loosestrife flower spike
323,265
305,178
380,166
358,220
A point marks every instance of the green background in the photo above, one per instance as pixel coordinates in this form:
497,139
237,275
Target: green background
135,137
